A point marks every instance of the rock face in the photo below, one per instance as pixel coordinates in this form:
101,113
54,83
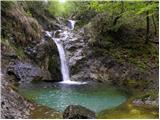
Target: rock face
26,53
27,72
106,69
24,34
22,28
146,101
13,106
74,45
78,112
86,63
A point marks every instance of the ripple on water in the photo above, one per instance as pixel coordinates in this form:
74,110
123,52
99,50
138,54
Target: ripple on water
96,98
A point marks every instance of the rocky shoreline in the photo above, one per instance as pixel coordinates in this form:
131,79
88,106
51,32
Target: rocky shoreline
13,105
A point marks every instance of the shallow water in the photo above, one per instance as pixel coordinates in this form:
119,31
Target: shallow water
59,96
130,111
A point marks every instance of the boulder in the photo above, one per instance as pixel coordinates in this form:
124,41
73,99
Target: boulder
26,72
13,105
78,112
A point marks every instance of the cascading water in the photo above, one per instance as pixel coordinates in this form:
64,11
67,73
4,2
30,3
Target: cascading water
71,24
64,65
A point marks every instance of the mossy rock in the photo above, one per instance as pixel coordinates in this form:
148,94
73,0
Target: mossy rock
130,111
54,68
43,112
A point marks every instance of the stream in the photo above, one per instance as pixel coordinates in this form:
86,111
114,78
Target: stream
97,97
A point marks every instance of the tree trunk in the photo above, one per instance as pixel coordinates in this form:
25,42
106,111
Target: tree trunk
147,27
154,24
122,7
119,16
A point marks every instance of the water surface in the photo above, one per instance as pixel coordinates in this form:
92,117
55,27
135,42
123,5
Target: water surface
59,96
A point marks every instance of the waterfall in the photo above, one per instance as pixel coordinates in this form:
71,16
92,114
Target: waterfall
64,65
71,24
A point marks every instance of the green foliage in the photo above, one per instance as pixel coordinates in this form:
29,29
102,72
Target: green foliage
28,13
127,10
141,95
141,55
61,9
67,9
7,4
12,47
127,43
34,5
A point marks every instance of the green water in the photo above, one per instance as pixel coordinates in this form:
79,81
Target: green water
94,97
130,111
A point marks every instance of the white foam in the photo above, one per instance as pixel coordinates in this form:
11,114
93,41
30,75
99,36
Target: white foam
73,82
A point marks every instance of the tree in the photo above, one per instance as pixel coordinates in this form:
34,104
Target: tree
154,23
128,11
147,27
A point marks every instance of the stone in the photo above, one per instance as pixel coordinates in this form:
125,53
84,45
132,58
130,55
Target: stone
78,112
13,105
26,72
138,102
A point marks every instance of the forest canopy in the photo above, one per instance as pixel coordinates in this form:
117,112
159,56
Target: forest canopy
121,12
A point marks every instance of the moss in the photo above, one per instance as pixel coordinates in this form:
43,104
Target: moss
142,95
43,112
130,111
18,50
13,87
141,55
135,85
19,24
28,13
54,68
7,4
36,80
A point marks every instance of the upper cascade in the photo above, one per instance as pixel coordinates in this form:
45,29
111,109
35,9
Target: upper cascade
71,24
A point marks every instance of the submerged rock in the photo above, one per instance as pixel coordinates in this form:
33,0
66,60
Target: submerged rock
78,112
130,111
43,112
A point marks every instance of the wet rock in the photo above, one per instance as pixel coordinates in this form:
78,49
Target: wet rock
138,102
78,112
37,52
44,112
46,56
13,105
57,34
85,65
26,72
146,101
